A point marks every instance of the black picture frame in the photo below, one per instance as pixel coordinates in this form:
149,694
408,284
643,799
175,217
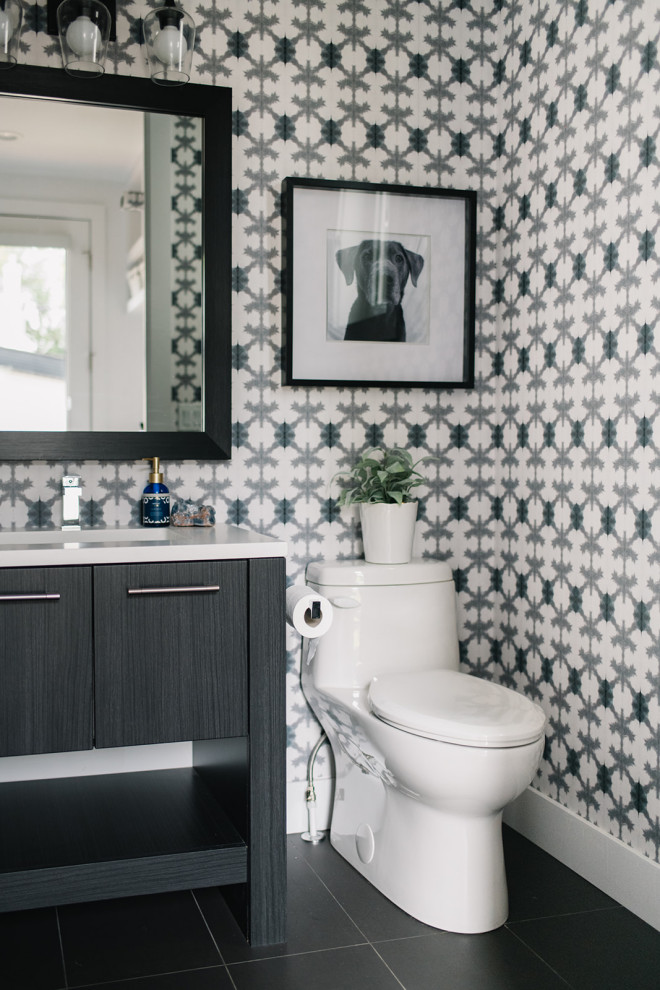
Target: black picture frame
379,285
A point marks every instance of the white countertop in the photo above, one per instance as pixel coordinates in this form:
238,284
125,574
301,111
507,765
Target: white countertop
54,548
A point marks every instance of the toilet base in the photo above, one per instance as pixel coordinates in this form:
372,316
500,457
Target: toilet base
421,819
443,870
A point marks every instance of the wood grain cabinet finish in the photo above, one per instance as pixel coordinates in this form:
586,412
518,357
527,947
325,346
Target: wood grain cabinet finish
171,652
45,660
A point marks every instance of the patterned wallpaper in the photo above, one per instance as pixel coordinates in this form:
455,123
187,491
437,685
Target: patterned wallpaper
545,493
574,443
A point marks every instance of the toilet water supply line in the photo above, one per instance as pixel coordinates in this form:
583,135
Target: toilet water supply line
312,834
310,614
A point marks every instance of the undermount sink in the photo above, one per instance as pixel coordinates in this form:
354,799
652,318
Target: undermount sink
59,537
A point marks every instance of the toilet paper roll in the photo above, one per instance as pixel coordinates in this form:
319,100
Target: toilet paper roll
309,613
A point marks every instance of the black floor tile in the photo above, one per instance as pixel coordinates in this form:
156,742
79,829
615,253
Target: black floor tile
134,936
354,968
493,961
600,949
197,979
540,886
562,934
315,919
30,955
374,914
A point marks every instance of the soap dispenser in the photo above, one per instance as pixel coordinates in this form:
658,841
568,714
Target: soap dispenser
155,498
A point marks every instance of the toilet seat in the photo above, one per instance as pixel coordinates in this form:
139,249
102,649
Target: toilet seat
456,708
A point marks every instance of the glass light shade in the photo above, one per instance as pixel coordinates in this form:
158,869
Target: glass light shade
84,29
169,36
11,19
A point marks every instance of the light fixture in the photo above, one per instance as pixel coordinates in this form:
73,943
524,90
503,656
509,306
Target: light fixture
84,28
11,18
169,35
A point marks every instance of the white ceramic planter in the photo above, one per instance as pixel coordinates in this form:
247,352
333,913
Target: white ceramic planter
388,531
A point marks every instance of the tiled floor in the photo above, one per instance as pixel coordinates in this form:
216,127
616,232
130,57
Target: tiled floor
343,935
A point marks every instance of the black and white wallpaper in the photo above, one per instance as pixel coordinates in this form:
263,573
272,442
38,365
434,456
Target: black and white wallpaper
187,272
545,495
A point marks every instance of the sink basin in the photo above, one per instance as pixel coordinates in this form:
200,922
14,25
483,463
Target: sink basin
58,537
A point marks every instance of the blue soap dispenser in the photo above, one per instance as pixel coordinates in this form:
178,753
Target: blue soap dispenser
155,498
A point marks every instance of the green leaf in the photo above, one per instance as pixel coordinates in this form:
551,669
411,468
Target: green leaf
381,475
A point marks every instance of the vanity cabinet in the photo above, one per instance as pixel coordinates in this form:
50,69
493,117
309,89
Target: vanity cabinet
175,666
45,660
126,654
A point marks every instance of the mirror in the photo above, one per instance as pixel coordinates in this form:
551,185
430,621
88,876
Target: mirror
138,360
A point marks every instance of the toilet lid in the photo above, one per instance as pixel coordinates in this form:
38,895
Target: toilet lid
456,708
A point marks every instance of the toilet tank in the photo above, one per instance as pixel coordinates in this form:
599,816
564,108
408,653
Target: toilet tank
387,618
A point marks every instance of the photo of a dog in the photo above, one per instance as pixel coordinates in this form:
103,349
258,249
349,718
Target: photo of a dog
380,269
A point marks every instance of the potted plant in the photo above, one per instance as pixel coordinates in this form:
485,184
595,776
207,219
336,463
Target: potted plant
380,483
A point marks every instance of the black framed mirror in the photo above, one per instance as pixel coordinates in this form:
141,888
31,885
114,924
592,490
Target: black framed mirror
207,435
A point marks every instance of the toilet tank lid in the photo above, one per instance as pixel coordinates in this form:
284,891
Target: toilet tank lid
356,573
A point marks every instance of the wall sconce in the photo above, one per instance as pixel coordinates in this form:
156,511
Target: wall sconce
11,18
169,35
84,28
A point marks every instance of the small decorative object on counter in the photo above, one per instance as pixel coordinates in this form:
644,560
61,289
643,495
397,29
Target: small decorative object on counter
185,512
155,498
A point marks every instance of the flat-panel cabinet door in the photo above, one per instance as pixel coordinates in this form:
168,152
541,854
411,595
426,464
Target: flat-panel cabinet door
45,660
171,651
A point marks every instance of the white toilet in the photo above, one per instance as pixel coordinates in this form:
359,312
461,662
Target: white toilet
426,758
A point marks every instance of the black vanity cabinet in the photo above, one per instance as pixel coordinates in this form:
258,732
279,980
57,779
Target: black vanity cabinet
131,654
45,660
175,667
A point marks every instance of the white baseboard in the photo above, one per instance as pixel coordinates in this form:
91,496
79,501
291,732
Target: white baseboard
296,804
624,874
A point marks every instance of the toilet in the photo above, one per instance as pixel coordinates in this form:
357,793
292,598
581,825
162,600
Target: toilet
426,757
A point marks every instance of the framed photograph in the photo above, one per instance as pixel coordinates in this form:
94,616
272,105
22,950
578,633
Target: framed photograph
379,285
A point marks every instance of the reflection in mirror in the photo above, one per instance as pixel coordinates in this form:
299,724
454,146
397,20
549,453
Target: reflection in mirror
131,342
174,251
100,269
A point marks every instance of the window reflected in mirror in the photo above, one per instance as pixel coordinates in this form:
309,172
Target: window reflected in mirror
33,393
110,336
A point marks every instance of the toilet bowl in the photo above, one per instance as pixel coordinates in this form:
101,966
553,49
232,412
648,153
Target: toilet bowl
426,757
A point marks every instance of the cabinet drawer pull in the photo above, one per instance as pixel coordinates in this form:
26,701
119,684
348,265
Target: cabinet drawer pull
174,591
46,597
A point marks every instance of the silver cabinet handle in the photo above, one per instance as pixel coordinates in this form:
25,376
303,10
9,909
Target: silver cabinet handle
174,591
46,597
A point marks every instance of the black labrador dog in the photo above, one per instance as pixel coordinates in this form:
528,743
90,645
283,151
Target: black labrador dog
381,270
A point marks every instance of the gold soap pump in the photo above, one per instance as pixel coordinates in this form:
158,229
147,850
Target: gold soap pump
155,497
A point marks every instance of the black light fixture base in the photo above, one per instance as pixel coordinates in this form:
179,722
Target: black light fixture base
51,17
